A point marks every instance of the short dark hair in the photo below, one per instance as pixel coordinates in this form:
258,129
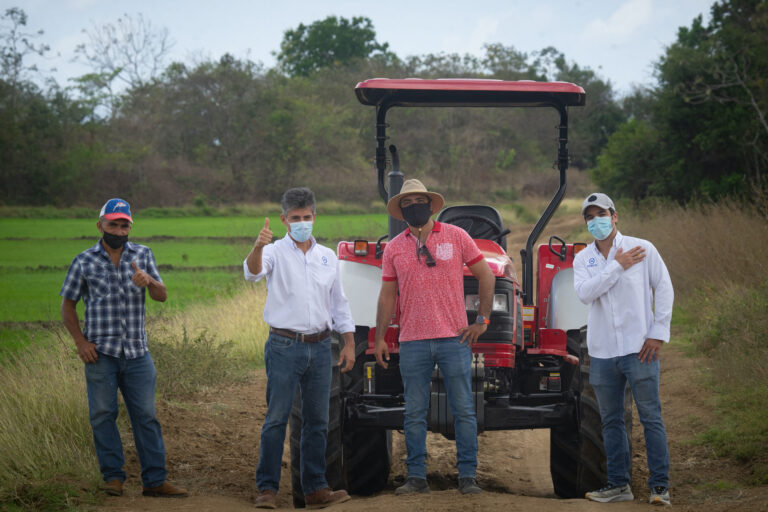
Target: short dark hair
610,210
300,197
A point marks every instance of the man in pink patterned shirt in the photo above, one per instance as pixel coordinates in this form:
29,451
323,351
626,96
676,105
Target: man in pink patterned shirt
425,265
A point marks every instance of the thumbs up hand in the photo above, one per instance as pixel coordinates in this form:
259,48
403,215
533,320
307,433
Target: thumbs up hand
265,235
140,278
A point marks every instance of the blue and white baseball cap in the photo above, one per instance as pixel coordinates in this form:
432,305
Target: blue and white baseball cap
116,209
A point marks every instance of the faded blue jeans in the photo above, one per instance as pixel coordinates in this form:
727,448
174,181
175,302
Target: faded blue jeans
417,361
609,378
135,378
291,364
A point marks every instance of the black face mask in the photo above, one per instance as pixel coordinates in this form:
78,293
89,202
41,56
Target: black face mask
417,214
114,241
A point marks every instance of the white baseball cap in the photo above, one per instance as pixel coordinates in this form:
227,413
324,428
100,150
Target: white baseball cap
597,199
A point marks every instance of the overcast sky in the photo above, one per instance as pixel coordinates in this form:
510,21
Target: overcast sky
619,39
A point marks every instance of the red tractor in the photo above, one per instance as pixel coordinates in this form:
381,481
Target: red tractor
531,368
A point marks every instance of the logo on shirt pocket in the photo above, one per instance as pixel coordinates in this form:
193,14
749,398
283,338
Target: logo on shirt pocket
444,251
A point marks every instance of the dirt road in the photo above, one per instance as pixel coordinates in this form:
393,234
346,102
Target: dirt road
212,444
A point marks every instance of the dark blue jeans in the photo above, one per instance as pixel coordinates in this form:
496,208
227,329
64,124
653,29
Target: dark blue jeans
417,361
609,378
135,378
291,364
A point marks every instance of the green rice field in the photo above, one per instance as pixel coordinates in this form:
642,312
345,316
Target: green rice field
200,259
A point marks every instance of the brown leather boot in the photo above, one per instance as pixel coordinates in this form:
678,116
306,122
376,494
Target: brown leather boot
325,498
165,491
113,487
266,499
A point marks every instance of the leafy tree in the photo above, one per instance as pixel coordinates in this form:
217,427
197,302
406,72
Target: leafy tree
626,165
328,42
708,110
506,63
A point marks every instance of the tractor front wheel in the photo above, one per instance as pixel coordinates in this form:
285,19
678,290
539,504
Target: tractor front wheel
357,461
577,453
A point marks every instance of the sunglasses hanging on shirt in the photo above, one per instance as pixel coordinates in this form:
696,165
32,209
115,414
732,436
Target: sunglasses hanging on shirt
428,259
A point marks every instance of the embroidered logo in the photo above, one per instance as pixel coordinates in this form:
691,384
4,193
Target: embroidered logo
444,251
592,262
325,261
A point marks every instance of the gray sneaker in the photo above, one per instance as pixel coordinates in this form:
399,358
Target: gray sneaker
413,485
611,493
660,496
468,485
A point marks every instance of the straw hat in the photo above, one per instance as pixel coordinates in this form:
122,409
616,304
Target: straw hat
414,187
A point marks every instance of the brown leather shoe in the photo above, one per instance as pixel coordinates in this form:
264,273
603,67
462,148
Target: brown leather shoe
325,498
165,491
113,487
266,499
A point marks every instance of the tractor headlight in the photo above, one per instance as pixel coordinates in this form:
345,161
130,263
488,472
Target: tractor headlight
500,303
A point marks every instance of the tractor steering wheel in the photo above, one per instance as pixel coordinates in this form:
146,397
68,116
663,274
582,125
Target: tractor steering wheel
498,231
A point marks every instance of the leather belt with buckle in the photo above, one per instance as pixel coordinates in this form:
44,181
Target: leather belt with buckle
307,338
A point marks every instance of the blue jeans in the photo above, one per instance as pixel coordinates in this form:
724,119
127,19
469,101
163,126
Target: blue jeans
135,378
417,361
609,378
292,363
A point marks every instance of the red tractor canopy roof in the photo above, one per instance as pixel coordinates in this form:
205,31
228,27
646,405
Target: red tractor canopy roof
414,92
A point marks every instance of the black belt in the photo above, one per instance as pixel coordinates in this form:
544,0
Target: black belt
307,338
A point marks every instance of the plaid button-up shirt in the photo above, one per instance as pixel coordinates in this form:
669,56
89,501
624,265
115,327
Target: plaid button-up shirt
114,306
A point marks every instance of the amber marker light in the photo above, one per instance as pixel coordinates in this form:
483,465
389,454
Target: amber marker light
361,248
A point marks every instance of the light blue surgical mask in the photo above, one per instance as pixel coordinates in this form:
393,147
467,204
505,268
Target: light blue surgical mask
600,227
301,231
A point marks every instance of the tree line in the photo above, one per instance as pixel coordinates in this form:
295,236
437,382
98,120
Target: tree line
229,130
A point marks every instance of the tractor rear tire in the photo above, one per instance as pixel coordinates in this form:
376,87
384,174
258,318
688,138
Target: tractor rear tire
333,451
367,453
356,461
577,453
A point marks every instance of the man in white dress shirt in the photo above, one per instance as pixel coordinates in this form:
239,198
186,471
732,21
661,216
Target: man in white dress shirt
627,287
305,302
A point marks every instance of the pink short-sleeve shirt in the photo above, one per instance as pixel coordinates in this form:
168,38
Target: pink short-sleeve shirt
431,298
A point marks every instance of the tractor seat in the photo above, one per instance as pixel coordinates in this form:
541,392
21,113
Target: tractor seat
480,221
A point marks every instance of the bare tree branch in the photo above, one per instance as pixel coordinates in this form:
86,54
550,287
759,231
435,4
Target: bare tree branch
131,49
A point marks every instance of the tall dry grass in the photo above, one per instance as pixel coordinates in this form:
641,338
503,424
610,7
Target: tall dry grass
710,247
237,319
47,460
46,448
717,256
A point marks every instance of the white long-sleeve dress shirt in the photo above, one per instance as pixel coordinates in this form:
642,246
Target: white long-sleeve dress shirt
626,307
304,292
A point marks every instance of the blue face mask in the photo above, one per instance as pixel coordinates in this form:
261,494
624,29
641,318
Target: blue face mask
301,231
600,227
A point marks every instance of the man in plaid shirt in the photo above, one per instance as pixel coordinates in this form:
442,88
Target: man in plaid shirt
111,278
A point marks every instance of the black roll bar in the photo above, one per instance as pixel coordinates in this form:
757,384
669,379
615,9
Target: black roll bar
526,255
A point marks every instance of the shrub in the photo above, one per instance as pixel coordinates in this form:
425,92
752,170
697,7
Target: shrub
192,363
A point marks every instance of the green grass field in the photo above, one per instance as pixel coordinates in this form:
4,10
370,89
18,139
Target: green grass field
327,227
200,260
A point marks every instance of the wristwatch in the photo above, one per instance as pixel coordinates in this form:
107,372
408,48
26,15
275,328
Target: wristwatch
482,320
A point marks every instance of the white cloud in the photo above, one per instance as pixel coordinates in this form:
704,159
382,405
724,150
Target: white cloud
621,25
484,32
463,41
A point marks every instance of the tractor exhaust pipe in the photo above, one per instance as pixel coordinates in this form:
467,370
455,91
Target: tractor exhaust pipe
395,185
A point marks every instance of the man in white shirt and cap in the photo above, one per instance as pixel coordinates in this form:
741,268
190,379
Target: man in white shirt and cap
305,302
627,287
